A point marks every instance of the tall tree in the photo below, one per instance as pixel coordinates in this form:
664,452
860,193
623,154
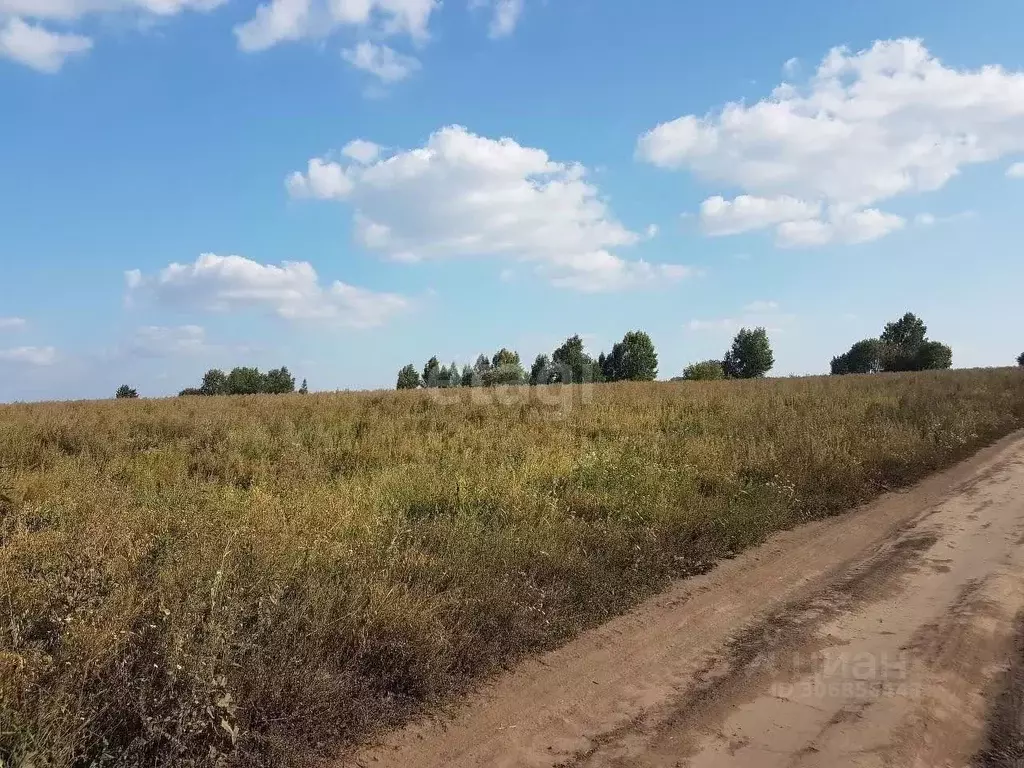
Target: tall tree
1020,359
540,371
124,392
469,377
632,359
408,377
215,382
304,389
750,356
245,380
432,373
278,381
901,340
570,364
454,377
506,369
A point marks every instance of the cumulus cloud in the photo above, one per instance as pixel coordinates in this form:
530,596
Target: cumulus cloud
867,127
1016,171
384,63
34,45
37,47
466,195
12,323
323,179
291,290
288,20
362,151
29,355
719,216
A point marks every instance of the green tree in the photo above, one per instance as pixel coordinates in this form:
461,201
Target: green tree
125,392
245,380
901,340
432,372
278,381
706,370
469,377
909,331
454,377
191,392
750,356
933,356
570,364
540,371
863,357
215,382
632,359
905,347
505,370
408,378
304,389
1020,359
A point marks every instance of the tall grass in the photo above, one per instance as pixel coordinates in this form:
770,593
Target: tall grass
257,581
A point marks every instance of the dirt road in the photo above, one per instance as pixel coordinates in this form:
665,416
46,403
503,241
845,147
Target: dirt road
880,638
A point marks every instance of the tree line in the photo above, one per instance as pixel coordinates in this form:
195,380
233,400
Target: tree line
632,359
244,380
902,346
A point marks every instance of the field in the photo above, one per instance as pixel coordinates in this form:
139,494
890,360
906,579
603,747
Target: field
257,581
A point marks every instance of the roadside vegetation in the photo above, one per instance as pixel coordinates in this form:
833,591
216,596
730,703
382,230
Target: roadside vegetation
262,580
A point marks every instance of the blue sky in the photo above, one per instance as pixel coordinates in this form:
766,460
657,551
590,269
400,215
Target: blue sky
181,184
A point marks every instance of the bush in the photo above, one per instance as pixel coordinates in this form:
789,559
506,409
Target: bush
125,392
708,370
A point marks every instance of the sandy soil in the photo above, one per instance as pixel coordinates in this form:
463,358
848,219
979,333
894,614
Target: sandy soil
889,636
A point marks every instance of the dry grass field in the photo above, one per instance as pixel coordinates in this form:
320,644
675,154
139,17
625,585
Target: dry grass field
258,581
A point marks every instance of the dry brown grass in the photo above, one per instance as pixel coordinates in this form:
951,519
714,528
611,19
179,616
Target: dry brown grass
259,580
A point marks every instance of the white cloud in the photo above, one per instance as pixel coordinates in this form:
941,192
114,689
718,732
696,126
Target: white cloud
12,323
162,341
362,151
1016,171
505,15
29,355
291,290
867,127
288,20
719,216
384,63
467,195
761,306
37,47
30,43
323,179
71,10
791,67
925,219
849,228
